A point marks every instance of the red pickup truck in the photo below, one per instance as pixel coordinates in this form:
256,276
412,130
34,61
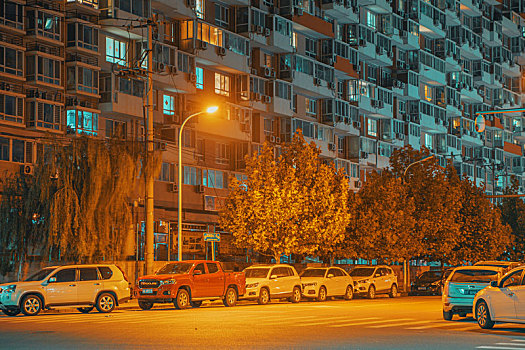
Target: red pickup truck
189,283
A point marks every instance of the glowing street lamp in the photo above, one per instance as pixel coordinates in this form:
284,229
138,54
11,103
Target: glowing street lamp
209,110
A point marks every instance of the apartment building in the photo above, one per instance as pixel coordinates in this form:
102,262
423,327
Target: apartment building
359,77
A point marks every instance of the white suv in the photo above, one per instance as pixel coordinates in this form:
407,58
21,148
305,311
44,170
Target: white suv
372,280
264,282
85,286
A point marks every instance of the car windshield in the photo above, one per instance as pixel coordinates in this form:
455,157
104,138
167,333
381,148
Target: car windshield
362,271
503,265
174,268
430,276
40,275
256,272
313,273
474,276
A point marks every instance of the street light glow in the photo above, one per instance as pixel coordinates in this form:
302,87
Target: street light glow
212,109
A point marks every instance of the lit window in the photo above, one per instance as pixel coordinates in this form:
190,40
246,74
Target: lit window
199,8
199,72
371,20
212,178
168,105
294,40
190,175
428,93
222,84
372,127
115,51
82,122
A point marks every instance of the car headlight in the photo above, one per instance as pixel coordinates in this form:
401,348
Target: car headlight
170,281
10,289
252,285
310,284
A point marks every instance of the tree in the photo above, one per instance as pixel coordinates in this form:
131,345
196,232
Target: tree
77,203
294,204
513,214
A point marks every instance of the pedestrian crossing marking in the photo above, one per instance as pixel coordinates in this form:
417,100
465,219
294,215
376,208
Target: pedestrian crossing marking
328,321
399,324
369,322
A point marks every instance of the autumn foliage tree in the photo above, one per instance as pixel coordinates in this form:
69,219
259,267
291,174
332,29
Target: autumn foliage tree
292,204
513,214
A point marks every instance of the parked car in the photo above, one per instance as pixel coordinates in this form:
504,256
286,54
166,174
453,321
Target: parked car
323,282
502,301
373,280
429,282
266,282
84,286
189,283
506,265
463,284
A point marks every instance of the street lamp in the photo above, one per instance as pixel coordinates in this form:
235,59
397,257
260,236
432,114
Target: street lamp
419,161
209,110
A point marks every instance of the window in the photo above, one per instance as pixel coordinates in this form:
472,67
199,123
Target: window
212,178
310,47
212,267
43,69
43,24
191,176
82,79
137,7
116,129
115,51
372,127
222,15
294,40
184,62
11,61
17,151
311,106
167,172
210,34
199,73
82,122
12,14
11,108
513,279
4,148
283,90
168,105
200,267
131,87
371,19
199,8
66,275
105,272
81,35
222,84
428,93
88,274
44,115
222,152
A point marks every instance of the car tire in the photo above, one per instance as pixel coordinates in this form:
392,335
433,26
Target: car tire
145,305
296,295
371,292
349,295
230,298
393,291
182,301
321,296
11,312
106,303
85,310
483,315
31,305
195,304
264,297
447,315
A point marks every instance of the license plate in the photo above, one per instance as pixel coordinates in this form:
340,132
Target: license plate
471,292
147,291
422,288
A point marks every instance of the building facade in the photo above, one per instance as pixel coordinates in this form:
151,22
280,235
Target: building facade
359,77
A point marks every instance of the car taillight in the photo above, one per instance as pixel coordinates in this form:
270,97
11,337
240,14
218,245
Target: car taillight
124,274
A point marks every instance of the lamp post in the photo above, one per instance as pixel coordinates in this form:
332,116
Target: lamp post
419,161
209,110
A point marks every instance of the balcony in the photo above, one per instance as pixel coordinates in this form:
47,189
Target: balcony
344,11
280,38
83,5
312,25
37,47
11,39
512,148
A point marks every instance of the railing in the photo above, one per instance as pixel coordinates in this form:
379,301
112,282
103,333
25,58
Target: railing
11,39
73,57
432,61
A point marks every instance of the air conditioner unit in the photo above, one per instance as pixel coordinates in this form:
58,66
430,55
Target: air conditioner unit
331,147
203,45
299,11
172,187
272,139
267,99
172,69
317,81
401,136
27,169
258,96
161,67
193,77
267,72
379,50
332,85
362,42
272,73
260,30
278,140
267,32
364,155
357,124
200,188
253,71
221,51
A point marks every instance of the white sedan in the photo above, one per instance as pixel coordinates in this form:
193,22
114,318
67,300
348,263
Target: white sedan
323,282
502,301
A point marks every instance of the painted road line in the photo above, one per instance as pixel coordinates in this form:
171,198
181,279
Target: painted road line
399,324
369,322
333,319
499,347
512,344
435,325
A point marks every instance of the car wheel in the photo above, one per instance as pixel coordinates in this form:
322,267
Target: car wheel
182,301
145,305
371,292
106,303
296,295
393,291
11,312
483,315
264,297
196,304
322,294
447,315
85,310
349,293
230,299
31,305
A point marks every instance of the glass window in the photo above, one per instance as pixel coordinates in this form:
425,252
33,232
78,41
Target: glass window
200,267
190,176
199,8
17,154
199,84
88,274
4,148
513,279
168,105
66,275
372,127
105,272
222,84
212,267
115,51
474,276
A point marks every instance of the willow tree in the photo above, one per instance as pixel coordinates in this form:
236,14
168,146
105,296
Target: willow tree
293,204
80,193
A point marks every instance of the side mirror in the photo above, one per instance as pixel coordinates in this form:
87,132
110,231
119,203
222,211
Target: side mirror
272,277
330,275
197,272
493,283
52,280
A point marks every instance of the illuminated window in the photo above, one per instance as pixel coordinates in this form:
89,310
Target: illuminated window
428,93
82,122
168,105
371,19
200,78
199,8
212,178
115,51
372,127
191,175
210,34
294,40
222,84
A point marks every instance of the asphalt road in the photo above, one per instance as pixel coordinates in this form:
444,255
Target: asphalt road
383,323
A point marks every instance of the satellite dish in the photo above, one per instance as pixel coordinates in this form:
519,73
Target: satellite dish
479,123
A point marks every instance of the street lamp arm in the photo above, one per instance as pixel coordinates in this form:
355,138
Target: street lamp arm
419,161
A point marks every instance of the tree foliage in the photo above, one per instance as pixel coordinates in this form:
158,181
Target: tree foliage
513,214
294,204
